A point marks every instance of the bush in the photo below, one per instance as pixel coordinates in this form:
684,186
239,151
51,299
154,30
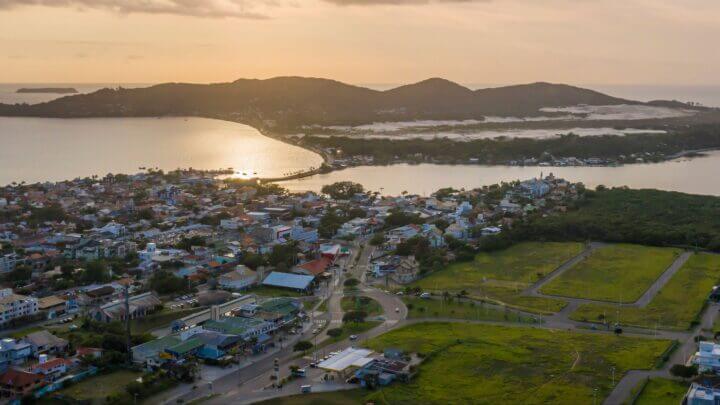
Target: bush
302,346
354,316
351,282
334,332
683,371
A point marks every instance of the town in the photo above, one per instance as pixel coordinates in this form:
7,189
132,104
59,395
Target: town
190,285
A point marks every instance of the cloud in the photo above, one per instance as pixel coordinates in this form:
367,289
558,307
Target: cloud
398,2
197,8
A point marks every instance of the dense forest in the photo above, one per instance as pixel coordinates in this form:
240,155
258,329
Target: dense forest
650,217
492,151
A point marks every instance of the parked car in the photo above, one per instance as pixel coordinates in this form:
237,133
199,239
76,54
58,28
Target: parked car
353,337
425,296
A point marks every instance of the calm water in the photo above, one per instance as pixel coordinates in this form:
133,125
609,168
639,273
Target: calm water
41,149
687,175
9,94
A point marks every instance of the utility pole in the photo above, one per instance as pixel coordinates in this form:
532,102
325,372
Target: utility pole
128,338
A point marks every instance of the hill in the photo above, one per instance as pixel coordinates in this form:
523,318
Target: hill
290,102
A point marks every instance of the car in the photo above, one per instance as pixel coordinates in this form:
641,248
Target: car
73,327
397,310
400,293
425,296
306,389
353,337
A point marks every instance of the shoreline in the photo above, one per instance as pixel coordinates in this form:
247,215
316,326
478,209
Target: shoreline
328,165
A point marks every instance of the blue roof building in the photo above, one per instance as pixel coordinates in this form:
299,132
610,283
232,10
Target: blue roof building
288,280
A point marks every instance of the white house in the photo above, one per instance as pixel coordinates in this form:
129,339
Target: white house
14,306
707,357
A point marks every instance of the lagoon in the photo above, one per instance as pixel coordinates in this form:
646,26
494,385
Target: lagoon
695,176
49,149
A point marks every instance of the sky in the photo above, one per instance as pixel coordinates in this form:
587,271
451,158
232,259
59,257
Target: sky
668,42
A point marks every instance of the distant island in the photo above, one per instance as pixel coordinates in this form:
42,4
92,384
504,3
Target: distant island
53,90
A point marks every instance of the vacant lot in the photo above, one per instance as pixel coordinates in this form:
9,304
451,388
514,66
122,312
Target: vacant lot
616,273
661,391
98,387
503,275
674,307
483,364
437,308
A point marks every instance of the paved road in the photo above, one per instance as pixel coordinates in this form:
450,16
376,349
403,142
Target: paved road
573,303
248,384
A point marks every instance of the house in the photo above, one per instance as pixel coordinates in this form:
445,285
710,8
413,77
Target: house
53,306
13,352
45,342
535,188
238,279
140,305
279,310
51,369
457,231
433,235
92,352
407,271
314,267
304,234
17,383
707,358
14,306
701,395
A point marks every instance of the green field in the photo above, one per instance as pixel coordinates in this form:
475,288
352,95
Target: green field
487,364
501,276
436,308
661,391
325,398
98,387
367,304
349,328
674,307
616,273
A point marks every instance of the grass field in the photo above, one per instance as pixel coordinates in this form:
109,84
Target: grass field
98,387
436,308
486,364
502,275
349,328
367,304
661,391
616,273
325,398
674,307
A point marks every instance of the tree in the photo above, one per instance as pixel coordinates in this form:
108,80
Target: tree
683,371
351,282
342,190
334,332
302,346
377,239
354,316
96,272
21,273
165,282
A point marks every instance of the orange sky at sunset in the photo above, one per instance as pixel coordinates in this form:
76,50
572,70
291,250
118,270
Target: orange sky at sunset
375,41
